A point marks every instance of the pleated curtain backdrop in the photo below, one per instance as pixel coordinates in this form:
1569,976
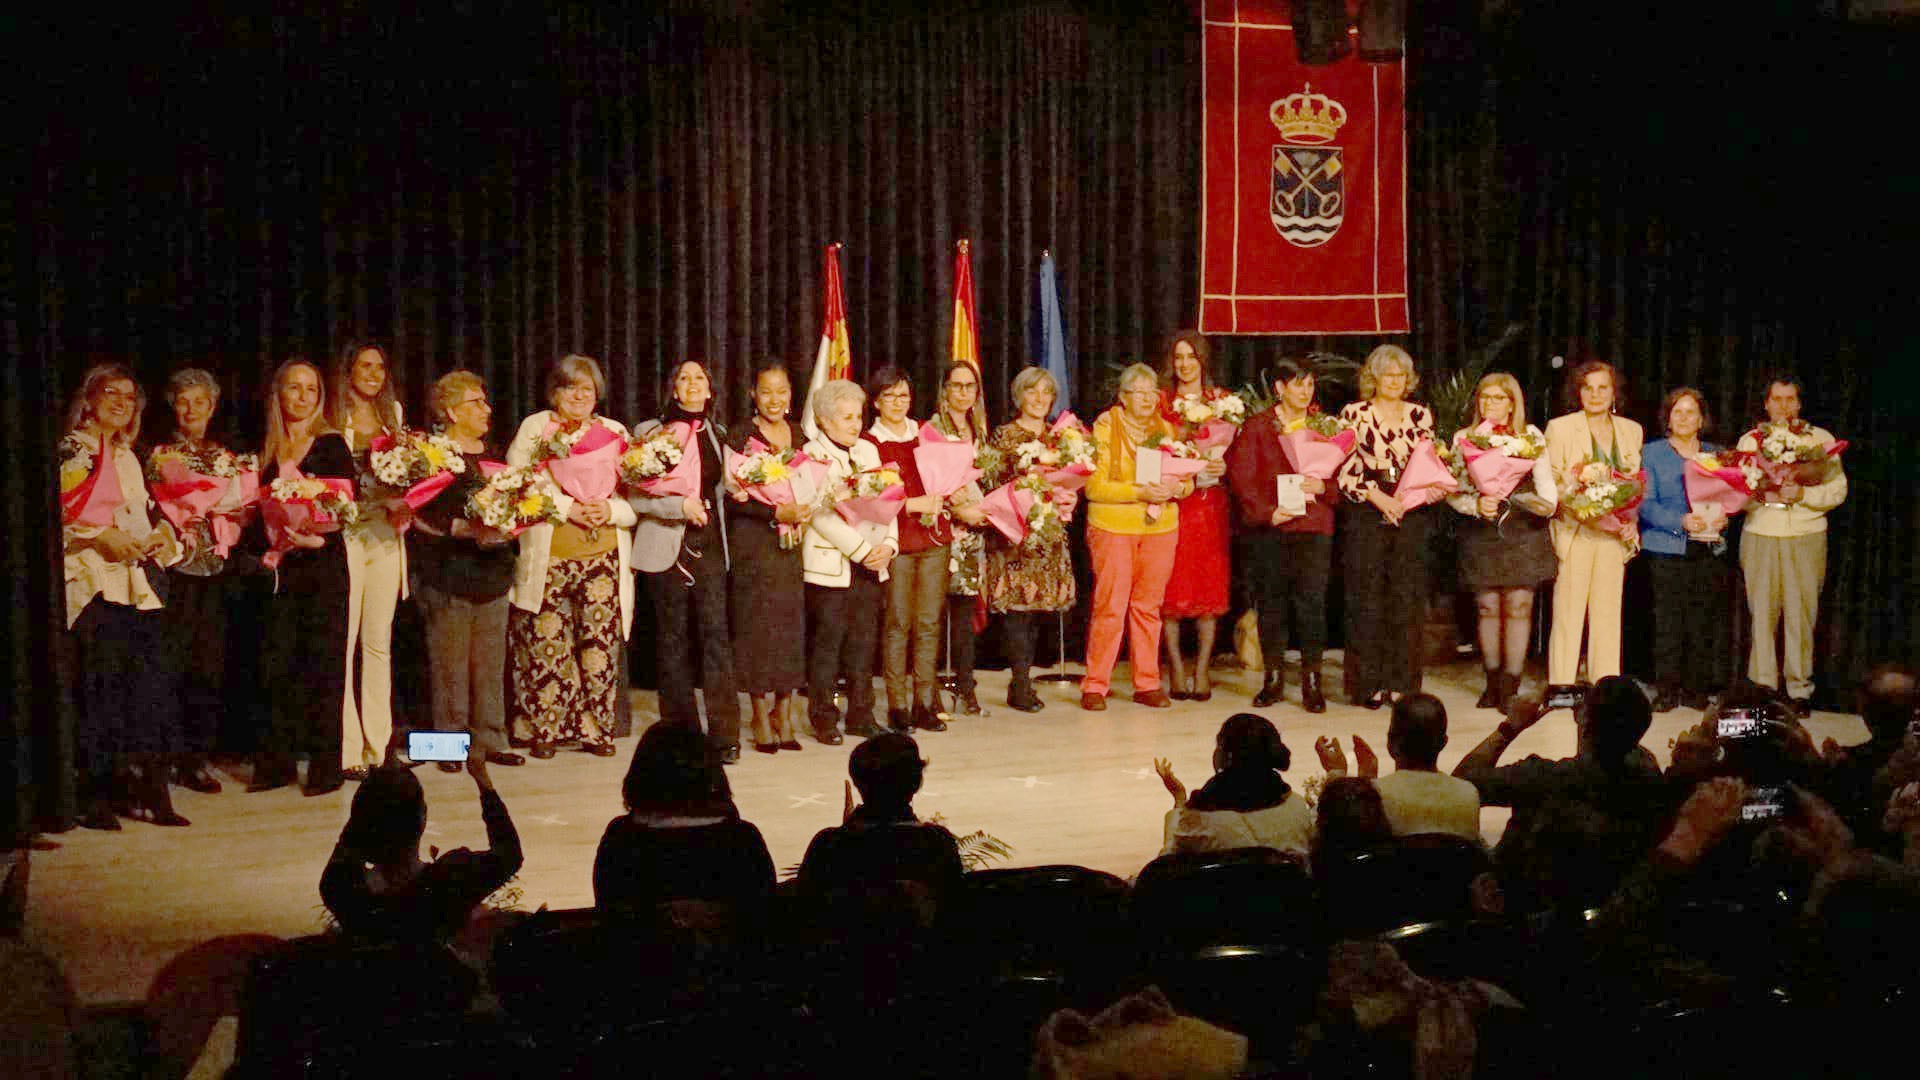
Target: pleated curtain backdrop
492,188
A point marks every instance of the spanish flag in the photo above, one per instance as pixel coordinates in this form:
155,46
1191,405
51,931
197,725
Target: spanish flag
835,360
966,320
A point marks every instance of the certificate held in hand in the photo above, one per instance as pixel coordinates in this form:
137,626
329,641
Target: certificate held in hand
1289,496
1146,465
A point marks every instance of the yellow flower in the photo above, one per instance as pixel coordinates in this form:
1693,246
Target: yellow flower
1294,425
530,507
73,478
1708,462
776,470
890,476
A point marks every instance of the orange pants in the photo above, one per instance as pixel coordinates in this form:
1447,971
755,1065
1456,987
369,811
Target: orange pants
1129,582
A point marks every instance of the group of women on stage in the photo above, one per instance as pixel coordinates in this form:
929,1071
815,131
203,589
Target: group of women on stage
525,632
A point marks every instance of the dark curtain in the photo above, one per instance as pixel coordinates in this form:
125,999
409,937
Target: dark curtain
1701,198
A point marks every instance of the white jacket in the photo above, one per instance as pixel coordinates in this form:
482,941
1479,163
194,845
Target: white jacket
536,544
829,547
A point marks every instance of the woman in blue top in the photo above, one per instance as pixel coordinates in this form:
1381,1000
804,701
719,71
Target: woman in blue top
1686,557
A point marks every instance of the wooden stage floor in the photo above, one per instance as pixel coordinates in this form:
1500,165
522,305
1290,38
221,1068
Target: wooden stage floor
1058,786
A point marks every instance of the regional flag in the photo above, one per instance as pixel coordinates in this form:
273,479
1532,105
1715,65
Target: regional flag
1050,336
966,320
835,359
1303,181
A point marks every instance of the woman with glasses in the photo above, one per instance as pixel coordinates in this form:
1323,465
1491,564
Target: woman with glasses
1132,528
963,416
572,593
1383,544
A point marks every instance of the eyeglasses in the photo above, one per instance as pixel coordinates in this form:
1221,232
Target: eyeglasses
956,384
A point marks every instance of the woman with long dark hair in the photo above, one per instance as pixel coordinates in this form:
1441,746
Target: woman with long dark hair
1197,591
129,718
682,549
963,415
362,406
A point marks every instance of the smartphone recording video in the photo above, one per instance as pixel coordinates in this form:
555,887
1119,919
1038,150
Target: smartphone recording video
1765,802
439,745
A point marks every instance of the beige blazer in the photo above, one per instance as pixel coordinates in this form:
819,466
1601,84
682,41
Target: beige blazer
1569,443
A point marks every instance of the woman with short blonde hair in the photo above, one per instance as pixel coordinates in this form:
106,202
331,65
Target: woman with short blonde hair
1382,543
1505,552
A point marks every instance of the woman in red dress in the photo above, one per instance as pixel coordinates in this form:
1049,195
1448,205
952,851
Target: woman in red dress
1198,588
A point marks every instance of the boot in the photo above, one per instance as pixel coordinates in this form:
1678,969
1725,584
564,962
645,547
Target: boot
1311,698
271,771
1272,688
324,775
1490,697
1021,696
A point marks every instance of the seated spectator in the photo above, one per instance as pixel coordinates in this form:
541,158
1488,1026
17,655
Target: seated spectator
1418,797
882,842
1578,823
1349,818
376,884
1247,803
1887,705
681,837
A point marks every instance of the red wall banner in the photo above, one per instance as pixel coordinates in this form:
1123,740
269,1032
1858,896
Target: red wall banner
1304,223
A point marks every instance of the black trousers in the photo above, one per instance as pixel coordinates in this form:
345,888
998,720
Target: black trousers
1691,619
129,696
1386,571
196,618
960,639
1288,572
686,611
842,627
1016,629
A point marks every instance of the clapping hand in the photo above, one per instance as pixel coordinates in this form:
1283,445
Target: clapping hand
1174,787
1710,810
847,805
1333,760
1365,760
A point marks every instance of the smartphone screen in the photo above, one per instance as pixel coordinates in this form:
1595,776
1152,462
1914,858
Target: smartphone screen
1764,803
439,745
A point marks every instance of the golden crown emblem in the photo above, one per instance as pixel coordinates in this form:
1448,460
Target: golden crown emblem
1307,116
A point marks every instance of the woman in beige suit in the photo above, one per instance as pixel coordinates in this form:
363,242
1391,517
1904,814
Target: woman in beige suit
1593,563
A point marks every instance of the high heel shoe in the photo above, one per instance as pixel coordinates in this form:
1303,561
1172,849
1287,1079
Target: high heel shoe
766,747
1375,699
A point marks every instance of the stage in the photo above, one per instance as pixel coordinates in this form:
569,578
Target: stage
1058,786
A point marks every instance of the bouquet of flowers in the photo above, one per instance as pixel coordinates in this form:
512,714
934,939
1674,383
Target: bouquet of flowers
1720,486
871,495
190,482
1790,453
945,467
1064,456
1495,461
583,460
304,502
513,500
1211,422
1427,478
776,479
418,465
1317,445
1023,512
1604,497
649,459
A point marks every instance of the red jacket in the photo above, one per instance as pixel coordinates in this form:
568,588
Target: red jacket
914,537
1253,460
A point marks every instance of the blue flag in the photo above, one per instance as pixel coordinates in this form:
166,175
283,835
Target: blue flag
1050,336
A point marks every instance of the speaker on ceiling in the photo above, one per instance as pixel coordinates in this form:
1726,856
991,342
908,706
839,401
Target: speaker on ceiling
1383,29
1320,30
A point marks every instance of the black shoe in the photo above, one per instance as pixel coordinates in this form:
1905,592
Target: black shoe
790,744
1180,695
900,719
1311,697
730,754
829,737
862,731
324,787
607,749
271,771
1272,688
1375,699
1021,698
198,780
443,766
766,747
100,817
542,750
501,757
966,703
1802,707
926,719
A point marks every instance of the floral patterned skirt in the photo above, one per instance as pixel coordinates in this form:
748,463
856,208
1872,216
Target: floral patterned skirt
562,657
1019,579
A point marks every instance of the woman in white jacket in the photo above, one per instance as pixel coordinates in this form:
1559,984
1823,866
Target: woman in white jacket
572,598
844,565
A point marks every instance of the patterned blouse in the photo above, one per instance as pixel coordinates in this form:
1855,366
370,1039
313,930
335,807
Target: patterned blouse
1379,446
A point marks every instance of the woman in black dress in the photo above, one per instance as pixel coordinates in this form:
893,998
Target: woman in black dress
197,483
768,599
304,658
